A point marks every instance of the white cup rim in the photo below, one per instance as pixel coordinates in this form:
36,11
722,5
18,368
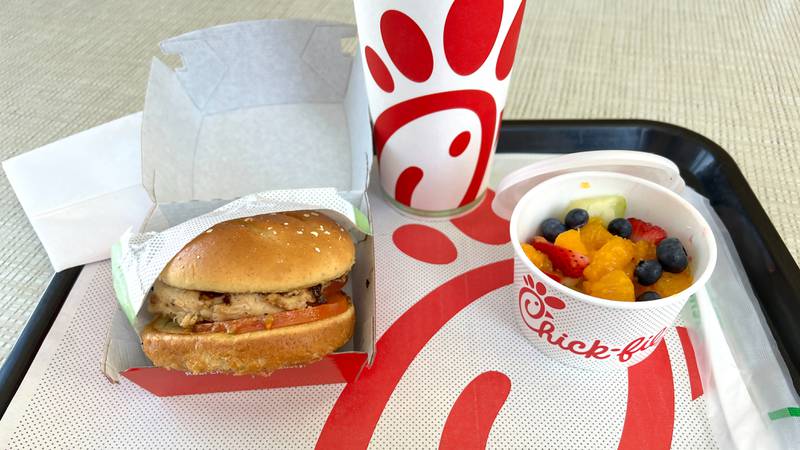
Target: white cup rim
699,280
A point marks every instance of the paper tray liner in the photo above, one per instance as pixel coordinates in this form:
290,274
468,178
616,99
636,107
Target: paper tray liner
450,370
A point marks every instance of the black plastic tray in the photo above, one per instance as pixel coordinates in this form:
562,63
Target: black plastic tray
704,165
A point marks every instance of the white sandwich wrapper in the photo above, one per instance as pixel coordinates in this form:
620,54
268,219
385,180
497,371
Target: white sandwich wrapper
263,117
569,326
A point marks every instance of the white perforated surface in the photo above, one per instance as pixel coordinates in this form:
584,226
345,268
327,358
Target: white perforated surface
75,406
65,402
692,428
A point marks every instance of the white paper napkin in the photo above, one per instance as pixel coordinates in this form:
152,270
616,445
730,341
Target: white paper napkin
82,192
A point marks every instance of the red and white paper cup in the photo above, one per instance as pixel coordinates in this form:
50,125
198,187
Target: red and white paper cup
589,332
437,73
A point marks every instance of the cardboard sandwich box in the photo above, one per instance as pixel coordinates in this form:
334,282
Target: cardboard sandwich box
274,114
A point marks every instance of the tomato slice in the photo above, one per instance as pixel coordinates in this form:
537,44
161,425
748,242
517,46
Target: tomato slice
336,304
333,288
234,326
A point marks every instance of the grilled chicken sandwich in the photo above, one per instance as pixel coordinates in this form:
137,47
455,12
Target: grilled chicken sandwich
253,295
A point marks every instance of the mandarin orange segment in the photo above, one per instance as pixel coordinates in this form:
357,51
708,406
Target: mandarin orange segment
594,235
672,283
616,254
629,269
571,239
609,261
538,258
645,250
614,285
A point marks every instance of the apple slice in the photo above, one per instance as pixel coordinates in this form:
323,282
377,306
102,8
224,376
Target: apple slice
606,207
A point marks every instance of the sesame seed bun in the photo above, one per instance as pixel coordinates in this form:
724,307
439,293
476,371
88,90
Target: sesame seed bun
277,252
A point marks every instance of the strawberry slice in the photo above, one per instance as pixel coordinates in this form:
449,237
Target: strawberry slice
645,231
569,262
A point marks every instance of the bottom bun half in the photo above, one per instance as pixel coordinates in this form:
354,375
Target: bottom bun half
256,352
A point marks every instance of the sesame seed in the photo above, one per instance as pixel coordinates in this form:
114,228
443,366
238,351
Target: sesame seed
314,233
328,232
341,229
285,223
314,214
209,230
321,227
306,215
274,232
198,256
299,232
248,219
317,249
269,228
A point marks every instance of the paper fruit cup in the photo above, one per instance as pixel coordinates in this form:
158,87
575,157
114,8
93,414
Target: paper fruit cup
437,74
589,332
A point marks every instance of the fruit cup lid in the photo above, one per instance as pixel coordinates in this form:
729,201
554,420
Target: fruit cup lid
648,166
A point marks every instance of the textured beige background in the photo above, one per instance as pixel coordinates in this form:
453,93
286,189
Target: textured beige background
729,69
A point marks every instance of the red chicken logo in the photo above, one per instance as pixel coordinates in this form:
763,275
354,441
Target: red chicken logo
465,115
534,295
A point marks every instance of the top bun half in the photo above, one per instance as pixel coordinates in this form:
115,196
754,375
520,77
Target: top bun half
276,252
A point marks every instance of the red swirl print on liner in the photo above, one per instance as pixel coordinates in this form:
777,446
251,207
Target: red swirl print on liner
378,70
425,244
479,102
509,49
695,382
650,414
355,414
474,411
470,32
483,225
354,417
407,45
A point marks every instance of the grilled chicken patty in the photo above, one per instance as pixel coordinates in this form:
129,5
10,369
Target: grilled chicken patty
188,307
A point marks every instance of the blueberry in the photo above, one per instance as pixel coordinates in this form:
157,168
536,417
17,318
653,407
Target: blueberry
576,218
620,227
647,272
647,296
551,228
672,255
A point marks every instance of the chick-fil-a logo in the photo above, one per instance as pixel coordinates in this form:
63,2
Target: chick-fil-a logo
535,307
